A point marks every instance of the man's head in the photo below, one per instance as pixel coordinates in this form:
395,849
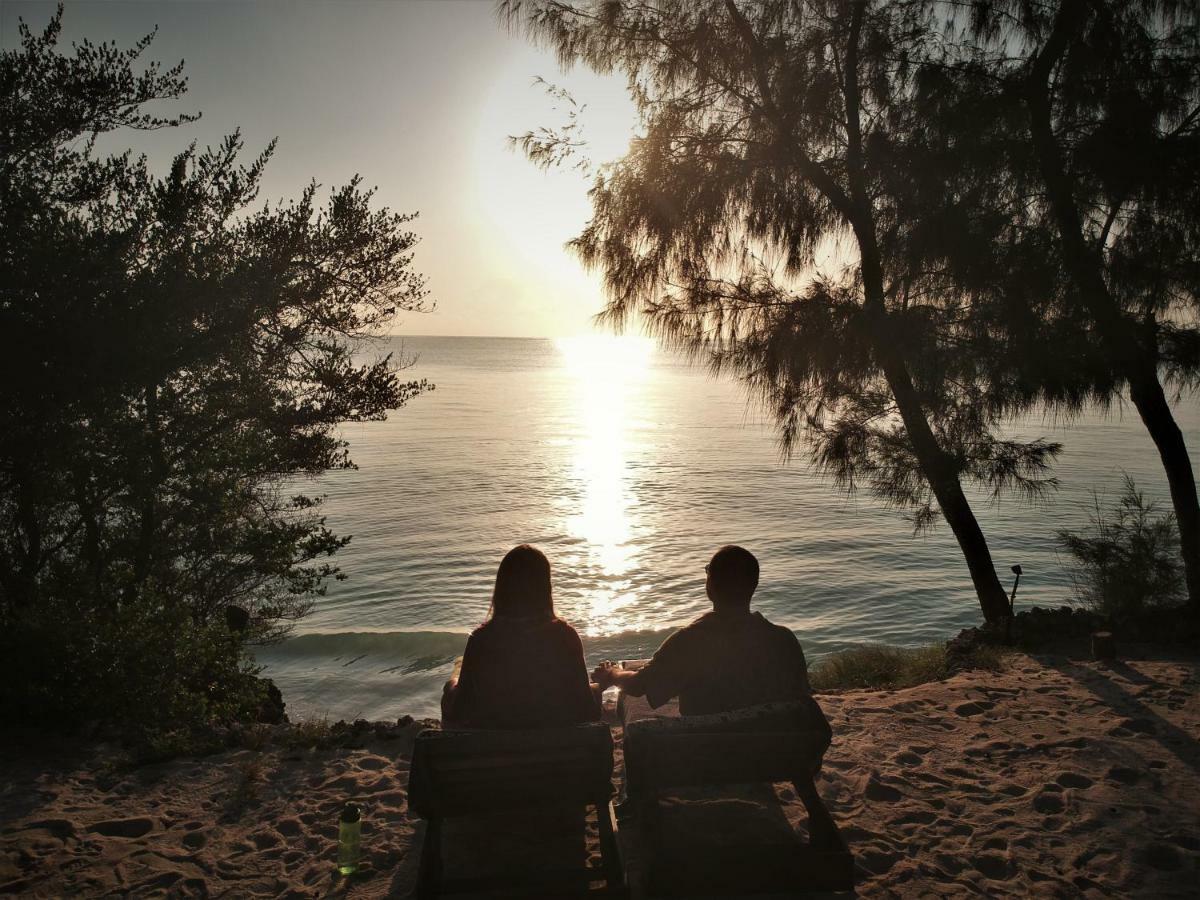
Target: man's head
732,576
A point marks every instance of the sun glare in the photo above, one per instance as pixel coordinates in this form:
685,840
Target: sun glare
607,374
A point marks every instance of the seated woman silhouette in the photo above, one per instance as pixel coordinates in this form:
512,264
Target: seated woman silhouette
523,667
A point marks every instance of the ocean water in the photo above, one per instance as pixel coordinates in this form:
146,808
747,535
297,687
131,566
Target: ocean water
628,468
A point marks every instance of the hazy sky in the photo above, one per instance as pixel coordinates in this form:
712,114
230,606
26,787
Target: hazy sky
417,97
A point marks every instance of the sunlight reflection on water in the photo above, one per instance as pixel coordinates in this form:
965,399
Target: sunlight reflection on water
608,375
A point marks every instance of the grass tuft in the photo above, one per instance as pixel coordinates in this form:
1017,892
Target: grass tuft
875,666
245,793
307,733
881,667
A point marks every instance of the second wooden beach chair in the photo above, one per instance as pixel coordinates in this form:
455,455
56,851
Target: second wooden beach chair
667,756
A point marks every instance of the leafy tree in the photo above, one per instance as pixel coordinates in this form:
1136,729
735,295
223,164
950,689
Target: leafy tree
174,360
1097,107
773,132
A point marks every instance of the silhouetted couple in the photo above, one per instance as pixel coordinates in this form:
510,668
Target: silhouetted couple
524,666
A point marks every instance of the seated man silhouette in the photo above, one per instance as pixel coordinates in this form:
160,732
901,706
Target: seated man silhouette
727,659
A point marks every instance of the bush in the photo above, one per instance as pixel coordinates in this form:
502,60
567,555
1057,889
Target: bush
1129,560
178,359
148,672
875,666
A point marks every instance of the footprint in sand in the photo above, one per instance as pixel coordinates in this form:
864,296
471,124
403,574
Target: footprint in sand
878,791
265,840
124,828
915,817
1123,775
1049,801
289,827
877,862
195,840
992,865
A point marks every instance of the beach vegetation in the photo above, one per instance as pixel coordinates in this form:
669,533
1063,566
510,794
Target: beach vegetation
307,733
247,787
879,667
178,356
884,667
1128,561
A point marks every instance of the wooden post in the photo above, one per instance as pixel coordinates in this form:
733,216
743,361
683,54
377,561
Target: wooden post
1103,645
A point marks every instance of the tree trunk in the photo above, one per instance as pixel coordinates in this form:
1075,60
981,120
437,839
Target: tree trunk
943,479
1135,360
937,467
1151,402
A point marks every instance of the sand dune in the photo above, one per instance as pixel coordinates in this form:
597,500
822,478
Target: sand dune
1054,778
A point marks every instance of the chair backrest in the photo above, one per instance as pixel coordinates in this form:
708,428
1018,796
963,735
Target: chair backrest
456,773
774,742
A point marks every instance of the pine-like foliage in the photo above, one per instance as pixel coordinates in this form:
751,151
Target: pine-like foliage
771,219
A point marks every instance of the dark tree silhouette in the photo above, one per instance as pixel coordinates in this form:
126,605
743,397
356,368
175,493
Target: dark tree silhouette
772,131
173,361
1099,111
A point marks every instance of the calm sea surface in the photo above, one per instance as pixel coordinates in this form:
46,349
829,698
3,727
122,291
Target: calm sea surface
628,468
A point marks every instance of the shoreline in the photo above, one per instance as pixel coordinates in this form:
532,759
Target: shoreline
1058,776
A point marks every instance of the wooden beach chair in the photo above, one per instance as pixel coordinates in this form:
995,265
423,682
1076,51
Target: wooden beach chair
503,774
761,746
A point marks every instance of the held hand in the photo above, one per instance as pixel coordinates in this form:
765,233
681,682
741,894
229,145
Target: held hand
603,674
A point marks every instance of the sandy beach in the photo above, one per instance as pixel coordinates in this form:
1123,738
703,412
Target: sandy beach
1058,777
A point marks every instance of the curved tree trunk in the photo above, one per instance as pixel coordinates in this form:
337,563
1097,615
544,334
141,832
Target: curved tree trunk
943,479
1134,359
1151,402
936,465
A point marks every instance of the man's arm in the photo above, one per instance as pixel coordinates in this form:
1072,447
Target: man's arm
609,674
662,678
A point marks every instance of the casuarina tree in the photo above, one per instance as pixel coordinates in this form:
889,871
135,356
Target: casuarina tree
1100,109
775,134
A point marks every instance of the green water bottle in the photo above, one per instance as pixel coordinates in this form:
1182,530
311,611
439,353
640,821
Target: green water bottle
349,839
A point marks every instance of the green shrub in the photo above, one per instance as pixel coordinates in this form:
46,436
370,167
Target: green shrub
1128,560
146,672
877,666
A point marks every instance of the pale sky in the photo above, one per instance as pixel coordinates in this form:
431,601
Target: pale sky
417,96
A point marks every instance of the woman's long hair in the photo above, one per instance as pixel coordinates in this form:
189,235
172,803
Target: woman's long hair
523,585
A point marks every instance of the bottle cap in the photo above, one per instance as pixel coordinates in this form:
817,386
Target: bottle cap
351,813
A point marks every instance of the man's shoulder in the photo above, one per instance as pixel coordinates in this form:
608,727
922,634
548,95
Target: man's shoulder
700,625
784,636
767,623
